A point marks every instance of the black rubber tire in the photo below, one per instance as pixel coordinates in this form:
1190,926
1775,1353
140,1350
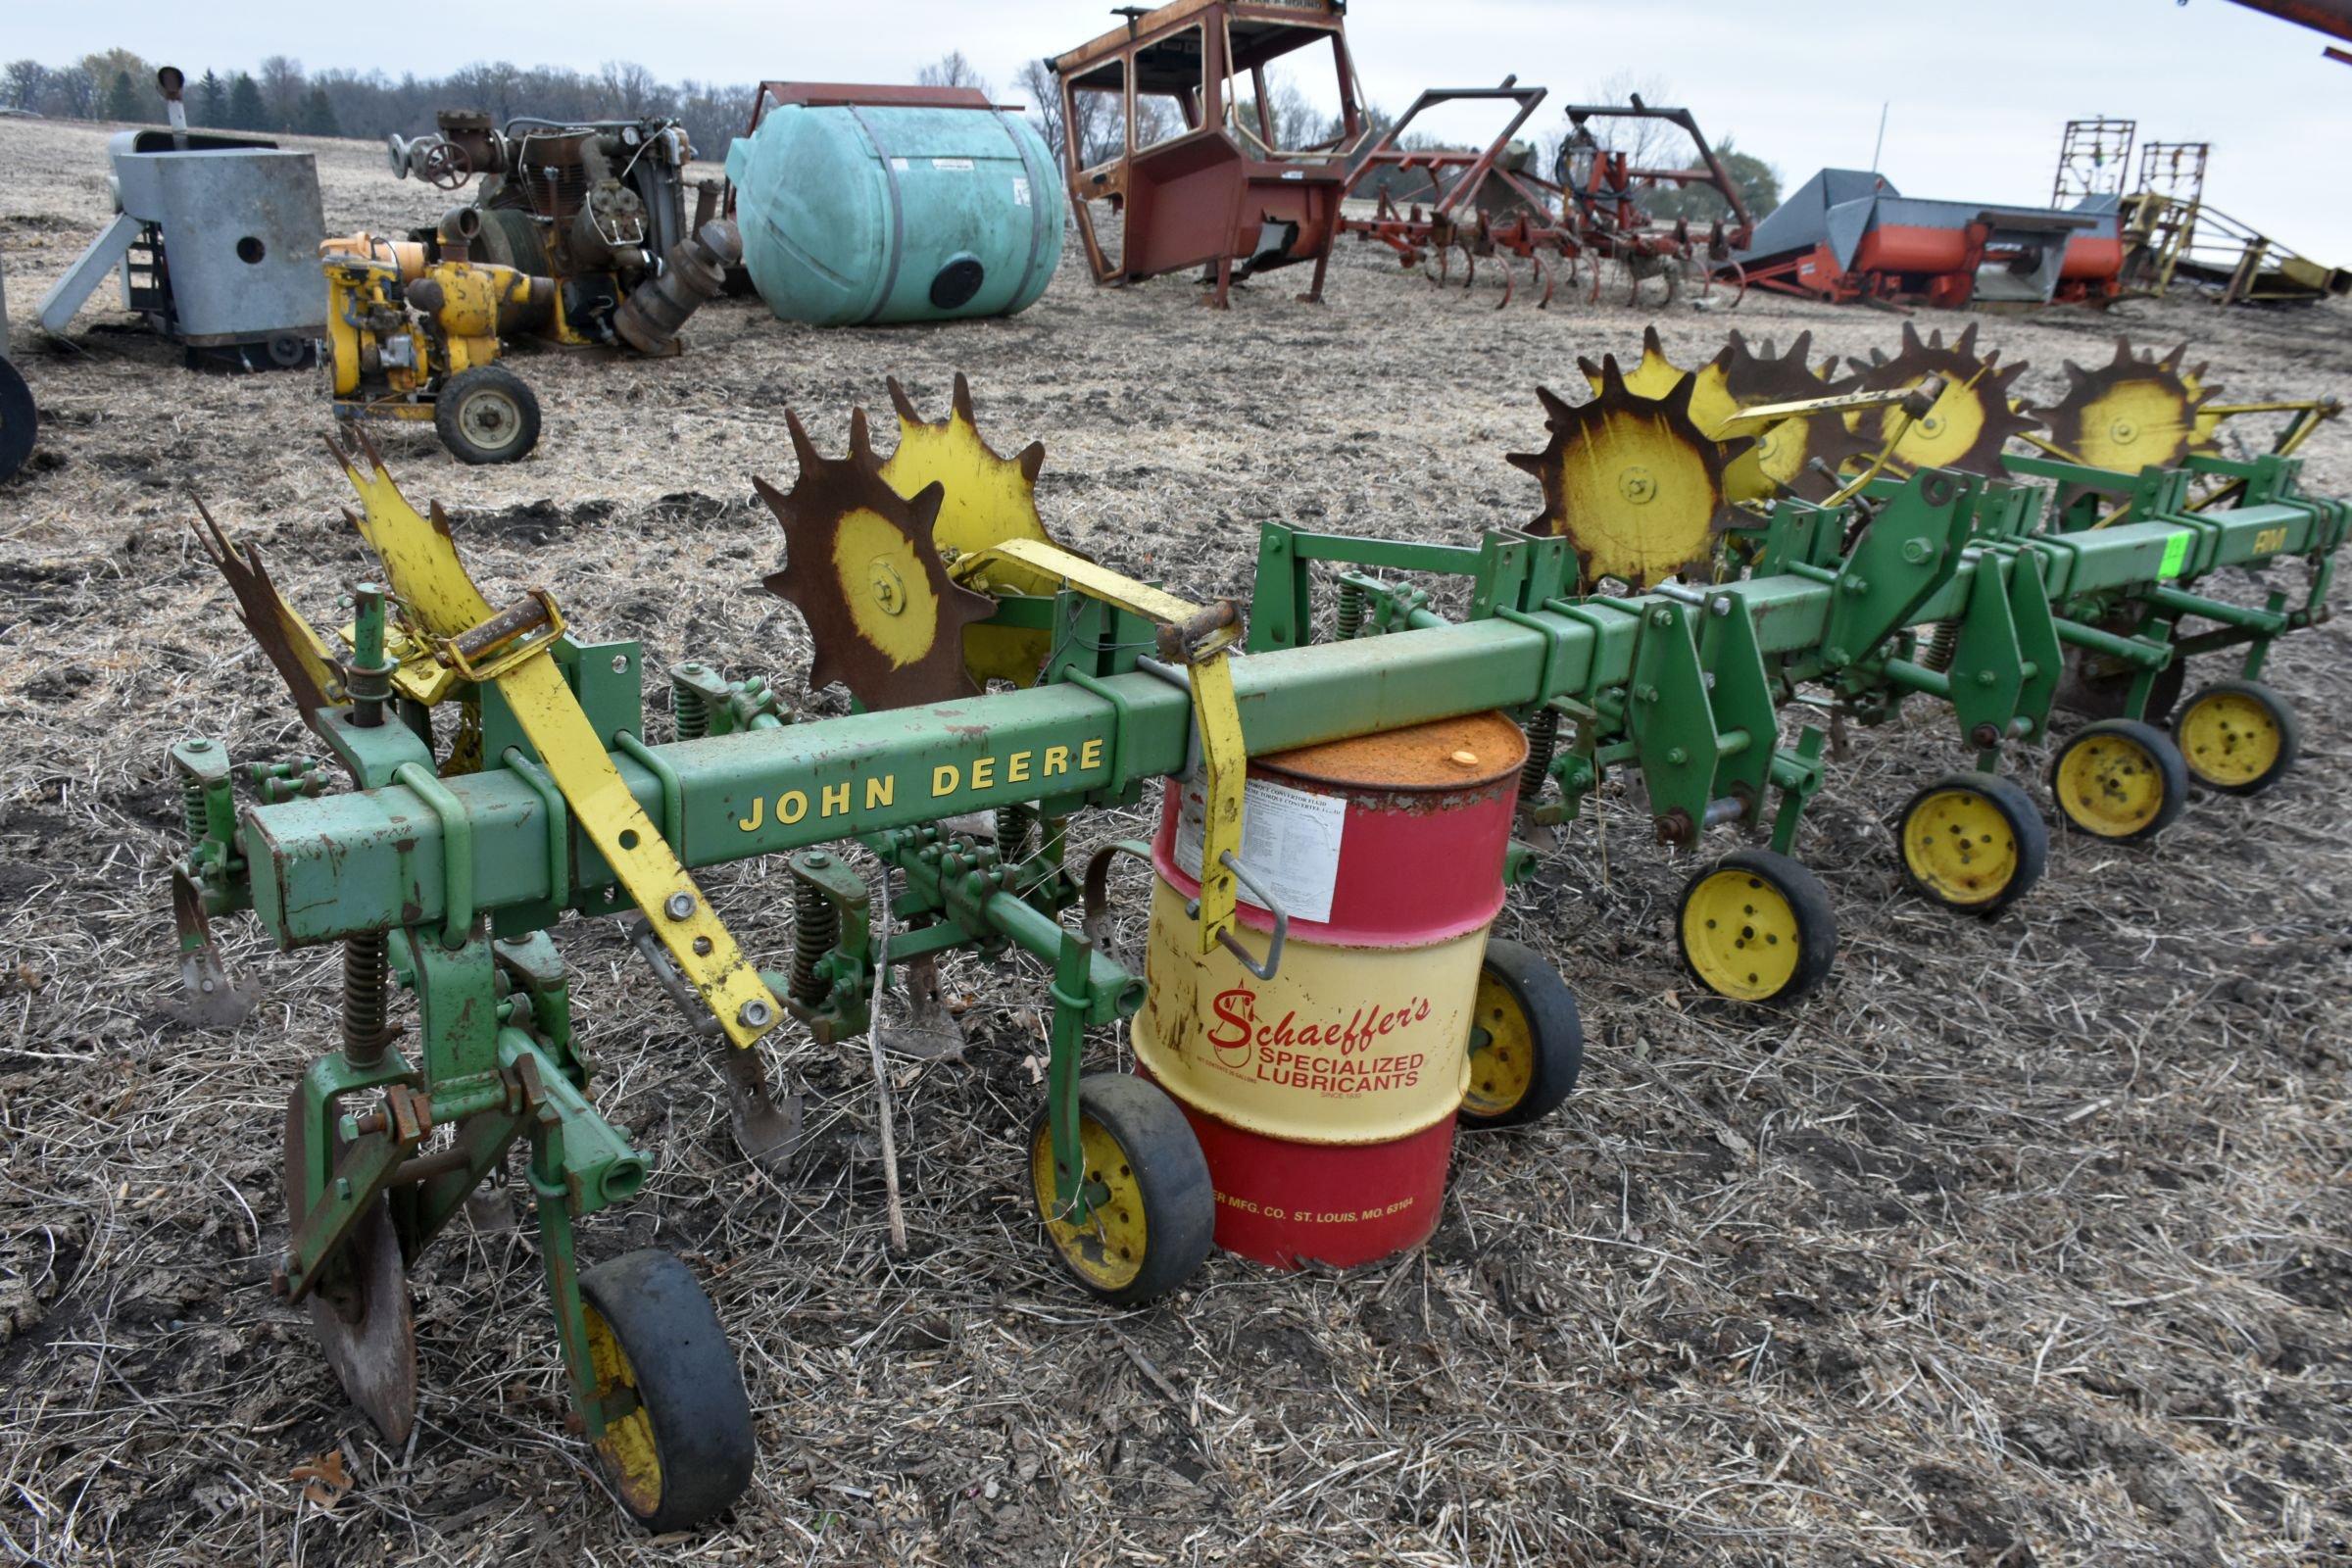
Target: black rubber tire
687,1383
2172,775
1555,1033
1816,922
2029,834
20,420
2291,735
1171,1175
492,381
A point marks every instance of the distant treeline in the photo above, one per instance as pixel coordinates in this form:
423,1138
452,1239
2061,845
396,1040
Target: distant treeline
278,95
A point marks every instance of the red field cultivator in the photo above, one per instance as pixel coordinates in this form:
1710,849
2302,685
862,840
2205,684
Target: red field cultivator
1490,203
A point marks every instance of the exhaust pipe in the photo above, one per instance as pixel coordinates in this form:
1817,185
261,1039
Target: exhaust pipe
649,319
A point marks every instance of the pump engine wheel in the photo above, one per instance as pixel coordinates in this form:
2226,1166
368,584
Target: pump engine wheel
2238,736
2120,779
677,1445
1152,1213
1973,842
1526,1042
1756,926
487,414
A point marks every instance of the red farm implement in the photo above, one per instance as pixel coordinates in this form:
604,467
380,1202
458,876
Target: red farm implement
1489,202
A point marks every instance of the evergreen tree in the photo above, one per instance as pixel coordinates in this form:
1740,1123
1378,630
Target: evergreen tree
212,101
318,114
246,112
123,99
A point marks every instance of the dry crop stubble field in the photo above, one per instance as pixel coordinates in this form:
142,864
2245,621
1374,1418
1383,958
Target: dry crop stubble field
2026,1240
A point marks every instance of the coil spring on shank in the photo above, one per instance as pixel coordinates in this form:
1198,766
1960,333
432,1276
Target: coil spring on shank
1012,831
365,999
1942,642
692,710
192,811
1543,740
816,928
1350,618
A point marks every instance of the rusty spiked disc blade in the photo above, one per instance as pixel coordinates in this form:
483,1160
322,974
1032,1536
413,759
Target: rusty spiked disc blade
988,499
2131,413
862,568
1970,423
1632,483
1798,457
293,647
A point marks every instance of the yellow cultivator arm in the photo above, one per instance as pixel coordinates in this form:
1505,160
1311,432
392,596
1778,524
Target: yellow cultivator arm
510,651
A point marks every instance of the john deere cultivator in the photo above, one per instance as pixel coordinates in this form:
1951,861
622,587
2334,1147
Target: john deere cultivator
1715,549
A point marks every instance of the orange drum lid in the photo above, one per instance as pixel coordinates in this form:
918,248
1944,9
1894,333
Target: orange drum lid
1451,753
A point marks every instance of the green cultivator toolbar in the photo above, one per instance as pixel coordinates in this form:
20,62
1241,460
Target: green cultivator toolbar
1994,597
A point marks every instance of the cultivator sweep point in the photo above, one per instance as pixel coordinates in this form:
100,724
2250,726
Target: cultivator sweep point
1632,482
861,567
1973,419
2133,413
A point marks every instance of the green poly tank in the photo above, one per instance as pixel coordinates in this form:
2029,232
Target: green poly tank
862,213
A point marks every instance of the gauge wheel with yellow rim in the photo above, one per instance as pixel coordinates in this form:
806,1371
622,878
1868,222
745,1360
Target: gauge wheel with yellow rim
2119,779
677,1445
487,414
2238,736
1526,1042
1756,926
1152,1212
1974,843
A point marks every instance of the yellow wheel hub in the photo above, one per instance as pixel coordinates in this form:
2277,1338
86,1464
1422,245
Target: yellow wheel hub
1741,936
2229,738
1950,431
1960,846
1503,1065
2135,424
2109,785
1108,1250
887,591
627,1445
1642,499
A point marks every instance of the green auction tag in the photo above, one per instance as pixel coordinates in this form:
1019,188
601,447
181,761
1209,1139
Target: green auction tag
2176,555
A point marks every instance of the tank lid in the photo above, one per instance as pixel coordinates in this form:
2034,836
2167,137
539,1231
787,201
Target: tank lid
1451,753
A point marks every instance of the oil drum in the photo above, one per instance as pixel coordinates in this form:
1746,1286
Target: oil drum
1325,1096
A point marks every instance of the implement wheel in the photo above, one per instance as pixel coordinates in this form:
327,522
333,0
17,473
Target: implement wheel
1155,1213
1973,842
2238,736
2119,779
487,414
1527,1042
1756,926
680,1452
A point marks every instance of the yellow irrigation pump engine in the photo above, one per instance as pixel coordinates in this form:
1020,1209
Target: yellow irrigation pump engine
598,208
415,339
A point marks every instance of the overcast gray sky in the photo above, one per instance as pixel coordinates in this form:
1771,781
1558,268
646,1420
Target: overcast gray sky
1980,88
